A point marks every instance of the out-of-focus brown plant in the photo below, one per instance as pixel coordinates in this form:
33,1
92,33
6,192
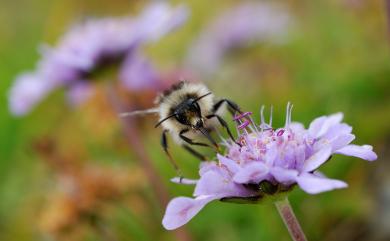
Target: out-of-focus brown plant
83,194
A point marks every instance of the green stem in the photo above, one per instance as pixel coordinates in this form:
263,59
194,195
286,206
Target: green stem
290,220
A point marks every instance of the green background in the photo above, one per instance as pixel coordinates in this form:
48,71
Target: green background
336,59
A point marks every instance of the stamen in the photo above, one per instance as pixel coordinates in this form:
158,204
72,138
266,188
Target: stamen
243,125
289,117
288,114
238,117
263,125
280,132
262,116
270,117
253,127
287,108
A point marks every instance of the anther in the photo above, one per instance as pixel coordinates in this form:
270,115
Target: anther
240,116
243,125
280,132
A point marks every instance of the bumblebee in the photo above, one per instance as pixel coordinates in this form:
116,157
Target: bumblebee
188,110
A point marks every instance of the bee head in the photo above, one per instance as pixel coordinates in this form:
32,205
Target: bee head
189,113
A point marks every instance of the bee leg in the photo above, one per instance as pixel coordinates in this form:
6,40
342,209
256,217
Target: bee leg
164,144
205,133
233,107
195,153
189,141
223,124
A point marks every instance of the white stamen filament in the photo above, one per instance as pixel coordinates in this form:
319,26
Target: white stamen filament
263,124
253,126
262,116
288,114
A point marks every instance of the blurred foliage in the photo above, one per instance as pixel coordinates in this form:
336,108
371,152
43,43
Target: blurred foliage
337,59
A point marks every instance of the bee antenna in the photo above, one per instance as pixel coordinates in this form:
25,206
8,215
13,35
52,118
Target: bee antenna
200,97
139,112
161,121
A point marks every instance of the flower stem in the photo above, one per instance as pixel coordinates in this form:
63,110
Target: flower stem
290,220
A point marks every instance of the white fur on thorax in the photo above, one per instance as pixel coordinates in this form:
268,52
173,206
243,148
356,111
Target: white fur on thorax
175,98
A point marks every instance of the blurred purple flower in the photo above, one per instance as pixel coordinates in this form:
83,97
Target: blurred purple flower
91,46
138,73
79,92
29,89
268,162
241,26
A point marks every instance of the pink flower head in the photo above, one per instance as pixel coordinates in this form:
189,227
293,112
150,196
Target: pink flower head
269,161
93,45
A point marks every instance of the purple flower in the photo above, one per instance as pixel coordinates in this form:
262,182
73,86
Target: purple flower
92,46
138,73
268,162
29,89
79,92
241,26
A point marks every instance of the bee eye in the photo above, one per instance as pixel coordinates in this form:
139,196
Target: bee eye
181,118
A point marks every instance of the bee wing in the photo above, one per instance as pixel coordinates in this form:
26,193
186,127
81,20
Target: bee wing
139,112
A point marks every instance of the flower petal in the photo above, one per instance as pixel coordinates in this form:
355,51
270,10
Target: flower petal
321,125
180,210
337,130
315,126
297,127
271,154
364,152
229,163
27,91
317,159
251,173
159,18
341,141
314,184
218,182
207,166
285,176
137,73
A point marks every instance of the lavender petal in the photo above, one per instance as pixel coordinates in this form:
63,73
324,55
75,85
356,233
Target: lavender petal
317,159
365,152
181,210
321,125
229,163
313,184
216,183
27,91
337,130
285,176
341,141
251,173
137,73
